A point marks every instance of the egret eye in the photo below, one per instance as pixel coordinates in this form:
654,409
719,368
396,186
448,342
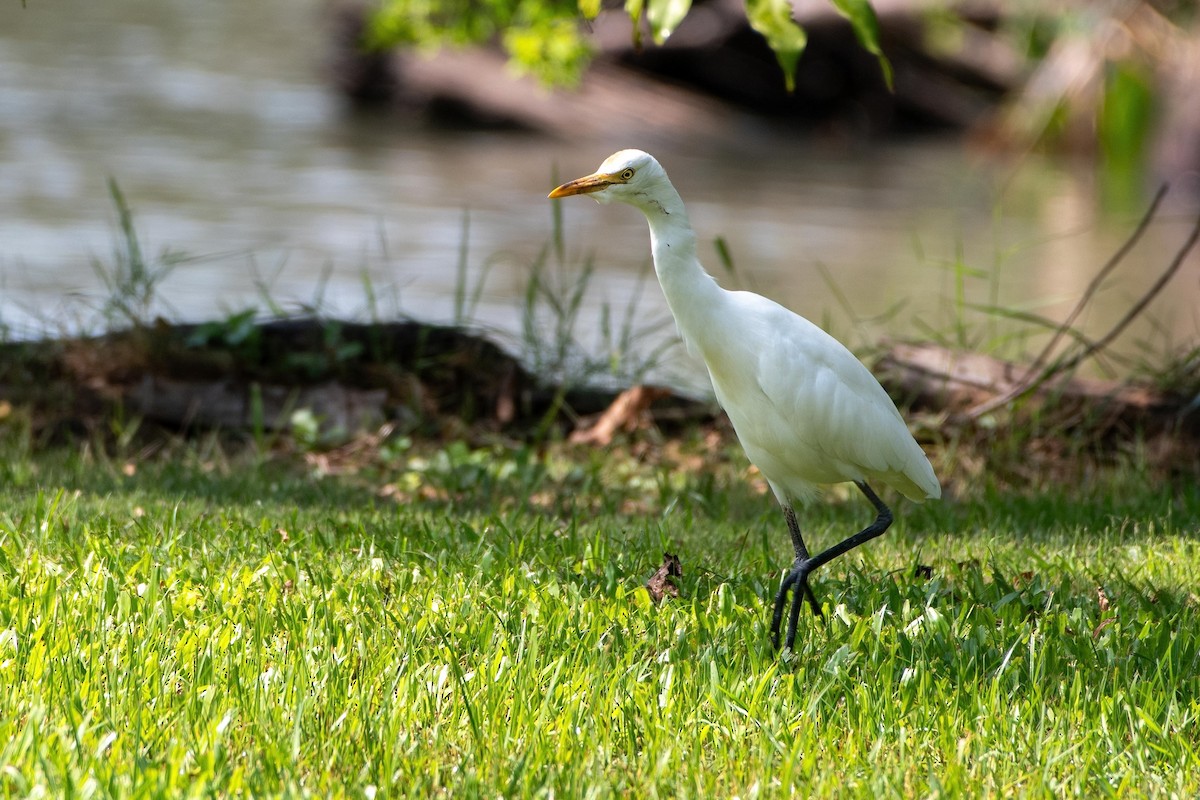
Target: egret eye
627,174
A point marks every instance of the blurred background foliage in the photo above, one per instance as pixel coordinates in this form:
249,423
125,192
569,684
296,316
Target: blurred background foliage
1117,79
548,38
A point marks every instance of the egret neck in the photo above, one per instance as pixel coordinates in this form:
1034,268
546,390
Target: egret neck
692,294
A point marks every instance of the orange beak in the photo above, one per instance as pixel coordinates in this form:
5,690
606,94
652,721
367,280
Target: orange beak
585,185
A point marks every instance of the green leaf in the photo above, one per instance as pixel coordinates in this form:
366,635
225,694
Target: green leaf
866,27
590,9
634,9
551,50
665,16
1126,113
723,253
773,19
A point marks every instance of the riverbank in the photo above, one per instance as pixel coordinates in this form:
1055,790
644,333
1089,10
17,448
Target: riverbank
329,384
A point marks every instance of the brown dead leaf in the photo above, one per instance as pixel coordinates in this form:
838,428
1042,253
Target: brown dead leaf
628,412
1104,623
660,584
433,493
636,507
506,403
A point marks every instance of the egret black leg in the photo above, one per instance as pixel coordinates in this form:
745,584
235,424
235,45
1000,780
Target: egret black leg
801,553
797,578
789,582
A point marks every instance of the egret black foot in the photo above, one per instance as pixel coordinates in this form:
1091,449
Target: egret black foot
797,581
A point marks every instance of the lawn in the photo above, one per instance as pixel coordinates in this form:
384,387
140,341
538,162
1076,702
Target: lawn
201,620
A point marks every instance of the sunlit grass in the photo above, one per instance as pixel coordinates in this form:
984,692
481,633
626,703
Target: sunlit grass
208,623
463,621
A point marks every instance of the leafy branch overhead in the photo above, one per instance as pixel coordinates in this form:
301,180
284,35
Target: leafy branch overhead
545,38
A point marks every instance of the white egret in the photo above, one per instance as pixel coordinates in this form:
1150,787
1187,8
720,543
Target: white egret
805,409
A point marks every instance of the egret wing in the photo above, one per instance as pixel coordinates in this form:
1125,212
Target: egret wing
841,421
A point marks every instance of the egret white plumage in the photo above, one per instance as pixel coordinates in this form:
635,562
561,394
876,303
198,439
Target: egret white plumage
805,409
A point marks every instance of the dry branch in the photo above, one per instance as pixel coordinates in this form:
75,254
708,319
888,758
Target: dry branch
947,380
1040,372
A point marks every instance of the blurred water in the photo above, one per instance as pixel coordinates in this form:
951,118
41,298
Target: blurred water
215,121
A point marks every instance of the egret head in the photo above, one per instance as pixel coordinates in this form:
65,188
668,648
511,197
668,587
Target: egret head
627,176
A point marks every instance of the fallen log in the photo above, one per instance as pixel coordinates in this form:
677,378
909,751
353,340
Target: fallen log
610,102
236,405
351,377
940,379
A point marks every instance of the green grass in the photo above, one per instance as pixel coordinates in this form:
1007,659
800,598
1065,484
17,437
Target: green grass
471,623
